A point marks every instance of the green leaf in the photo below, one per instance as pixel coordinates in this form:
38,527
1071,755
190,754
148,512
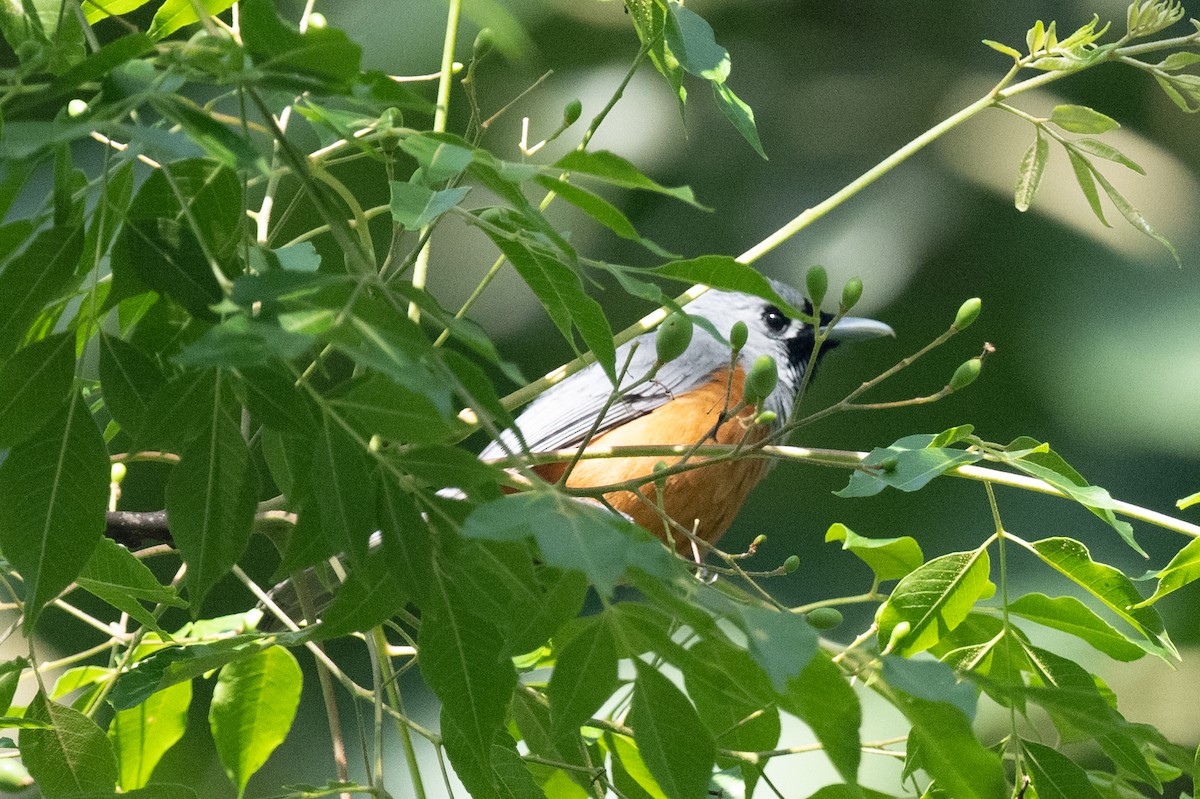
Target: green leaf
174,14
32,280
129,377
1184,90
948,750
175,664
34,384
649,21
345,491
584,676
72,756
142,734
253,705
217,140
1072,559
320,59
370,595
1134,217
529,601
1068,614
178,412
56,483
96,11
415,206
740,115
271,395
114,575
823,699
616,171
781,643
1083,176
601,210
693,43
1039,461
561,293
732,695
1003,48
1081,119
908,465
1029,174
378,406
724,272
440,157
889,558
1183,569
570,534
211,498
675,745
1056,776
932,681
934,599
1177,61
10,677
165,248
463,659
1106,151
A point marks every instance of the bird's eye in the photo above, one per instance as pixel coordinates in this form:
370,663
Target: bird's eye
775,320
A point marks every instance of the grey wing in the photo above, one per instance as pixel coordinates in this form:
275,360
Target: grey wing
565,413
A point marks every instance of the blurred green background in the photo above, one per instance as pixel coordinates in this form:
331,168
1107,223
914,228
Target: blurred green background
1097,332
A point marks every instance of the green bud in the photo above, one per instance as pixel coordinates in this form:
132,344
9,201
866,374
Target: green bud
761,380
824,618
571,112
791,564
889,464
968,312
818,283
898,633
76,108
758,541
484,40
738,335
316,20
851,293
117,472
493,215
766,417
13,776
965,374
673,337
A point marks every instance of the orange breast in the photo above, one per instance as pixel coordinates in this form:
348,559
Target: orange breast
705,499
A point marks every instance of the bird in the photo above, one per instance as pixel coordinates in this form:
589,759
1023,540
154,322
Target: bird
695,398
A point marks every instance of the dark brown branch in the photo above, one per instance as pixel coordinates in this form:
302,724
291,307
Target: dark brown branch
137,530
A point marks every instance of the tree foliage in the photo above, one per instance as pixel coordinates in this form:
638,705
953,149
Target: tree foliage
313,392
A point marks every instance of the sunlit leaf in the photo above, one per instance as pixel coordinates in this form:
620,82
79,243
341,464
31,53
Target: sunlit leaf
253,705
1029,174
1072,559
1068,614
141,735
889,558
72,756
934,599
908,464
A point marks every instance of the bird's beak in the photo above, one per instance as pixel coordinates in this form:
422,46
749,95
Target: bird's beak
853,328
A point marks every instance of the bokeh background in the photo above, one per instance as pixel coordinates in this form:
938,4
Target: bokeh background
1097,332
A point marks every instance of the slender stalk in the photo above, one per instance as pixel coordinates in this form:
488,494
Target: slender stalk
421,266
380,651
